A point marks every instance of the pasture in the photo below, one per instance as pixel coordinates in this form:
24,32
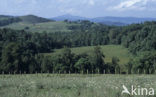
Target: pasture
71,85
41,27
108,50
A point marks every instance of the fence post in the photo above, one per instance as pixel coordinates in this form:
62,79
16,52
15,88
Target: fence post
41,72
69,71
36,73
98,71
138,71
3,73
82,71
144,71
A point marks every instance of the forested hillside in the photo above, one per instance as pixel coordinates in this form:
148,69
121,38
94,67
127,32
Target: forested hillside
33,19
6,20
22,51
29,19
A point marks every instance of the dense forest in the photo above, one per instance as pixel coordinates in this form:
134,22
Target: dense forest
22,51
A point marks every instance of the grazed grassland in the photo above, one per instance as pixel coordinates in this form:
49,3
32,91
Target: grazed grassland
108,50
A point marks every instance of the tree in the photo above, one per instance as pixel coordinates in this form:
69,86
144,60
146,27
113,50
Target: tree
82,65
46,65
18,58
11,58
65,61
115,61
97,60
145,62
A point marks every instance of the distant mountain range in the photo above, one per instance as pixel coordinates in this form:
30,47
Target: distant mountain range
120,21
69,17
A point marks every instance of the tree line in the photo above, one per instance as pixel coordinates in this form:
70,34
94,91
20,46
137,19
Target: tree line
18,59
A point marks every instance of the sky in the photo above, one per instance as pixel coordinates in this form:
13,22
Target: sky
85,8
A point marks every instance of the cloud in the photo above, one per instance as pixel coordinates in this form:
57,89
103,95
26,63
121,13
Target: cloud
68,10
82,2
131,5
74,6
127,4
91,2
88,8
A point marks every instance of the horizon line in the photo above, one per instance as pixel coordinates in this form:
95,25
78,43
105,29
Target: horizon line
77,16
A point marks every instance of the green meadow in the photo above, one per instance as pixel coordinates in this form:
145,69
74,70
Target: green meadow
72,85
59,26
108,50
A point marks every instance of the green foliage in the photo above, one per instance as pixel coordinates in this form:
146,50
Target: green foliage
97,60
115,63
136,37
11,57
82,64
16,59
19,48
145,63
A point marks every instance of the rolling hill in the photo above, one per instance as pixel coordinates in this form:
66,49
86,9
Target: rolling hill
33,19
108,50
37,24
6,21
59,26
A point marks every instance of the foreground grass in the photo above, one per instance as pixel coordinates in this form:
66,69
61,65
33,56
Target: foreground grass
73,85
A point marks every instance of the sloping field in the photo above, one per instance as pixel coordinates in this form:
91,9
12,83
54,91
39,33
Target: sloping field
108,50
41,27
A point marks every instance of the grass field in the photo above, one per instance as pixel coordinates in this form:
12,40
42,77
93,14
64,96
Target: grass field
108,50
73,85
41,27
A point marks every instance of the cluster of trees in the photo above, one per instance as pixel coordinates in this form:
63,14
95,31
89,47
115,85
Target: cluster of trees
143,63
22,51
24,59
